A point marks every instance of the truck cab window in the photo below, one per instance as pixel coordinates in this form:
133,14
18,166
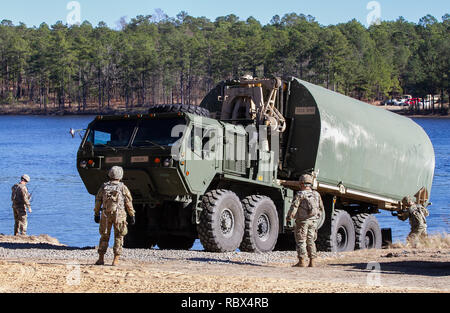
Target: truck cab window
111,133
158,132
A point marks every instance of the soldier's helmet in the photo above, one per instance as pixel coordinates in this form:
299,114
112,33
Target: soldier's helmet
306,179
26,178
116,173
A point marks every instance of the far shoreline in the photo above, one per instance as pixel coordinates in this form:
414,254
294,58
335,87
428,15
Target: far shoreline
26,111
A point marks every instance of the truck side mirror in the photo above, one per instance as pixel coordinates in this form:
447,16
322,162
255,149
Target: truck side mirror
73,132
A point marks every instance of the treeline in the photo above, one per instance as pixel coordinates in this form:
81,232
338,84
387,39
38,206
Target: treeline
155,60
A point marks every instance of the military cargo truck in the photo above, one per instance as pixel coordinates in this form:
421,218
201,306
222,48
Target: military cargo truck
226,171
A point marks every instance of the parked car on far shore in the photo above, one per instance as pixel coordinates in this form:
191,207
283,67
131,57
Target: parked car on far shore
392,102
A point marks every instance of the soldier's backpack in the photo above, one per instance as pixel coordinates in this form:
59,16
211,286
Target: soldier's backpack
112,197
310,203
16,195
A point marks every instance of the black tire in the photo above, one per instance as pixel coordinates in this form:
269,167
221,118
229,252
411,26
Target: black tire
368,232
172,242
185,108
340,236
222,222
261,224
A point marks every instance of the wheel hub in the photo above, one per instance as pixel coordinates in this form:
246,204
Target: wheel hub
263,226
369,240
341,237
227,223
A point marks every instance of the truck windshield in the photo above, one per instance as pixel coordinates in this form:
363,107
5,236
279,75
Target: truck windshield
163,132
111,133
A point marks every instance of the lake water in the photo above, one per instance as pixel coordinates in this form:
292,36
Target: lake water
42,148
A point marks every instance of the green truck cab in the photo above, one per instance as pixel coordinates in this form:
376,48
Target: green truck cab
177,166
226,172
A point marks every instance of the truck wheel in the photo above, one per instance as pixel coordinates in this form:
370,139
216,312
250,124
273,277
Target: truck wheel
185,108
342,232
368,232
222,223
172,242
339,234
261,224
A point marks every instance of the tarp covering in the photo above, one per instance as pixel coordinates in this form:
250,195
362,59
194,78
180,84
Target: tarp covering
357,144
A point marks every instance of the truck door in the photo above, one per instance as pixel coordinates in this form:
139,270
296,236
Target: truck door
235,150
201,158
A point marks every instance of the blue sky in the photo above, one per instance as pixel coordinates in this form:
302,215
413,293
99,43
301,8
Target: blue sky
33,13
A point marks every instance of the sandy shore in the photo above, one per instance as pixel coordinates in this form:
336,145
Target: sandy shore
401,270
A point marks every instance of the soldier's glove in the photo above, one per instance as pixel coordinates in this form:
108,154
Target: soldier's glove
132,220
97,219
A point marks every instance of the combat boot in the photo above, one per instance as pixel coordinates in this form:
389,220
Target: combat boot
101,260
116,260
301,263
312,263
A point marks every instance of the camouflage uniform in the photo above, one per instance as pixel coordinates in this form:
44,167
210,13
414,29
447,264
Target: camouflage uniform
417,219
116,218
416,213
20,202
306,225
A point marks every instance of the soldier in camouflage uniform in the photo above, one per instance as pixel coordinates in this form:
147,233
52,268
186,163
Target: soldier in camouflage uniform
306,209
114,201
20,203
417,215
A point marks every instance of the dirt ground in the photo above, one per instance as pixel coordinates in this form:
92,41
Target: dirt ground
396,270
